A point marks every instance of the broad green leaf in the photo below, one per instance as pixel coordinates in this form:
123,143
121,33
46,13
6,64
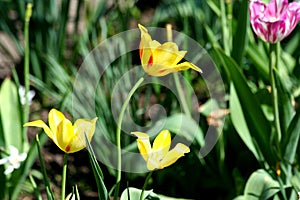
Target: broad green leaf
239,122
257,123
134,194
240,37
295,180
102,191
290,140
286,110
10,114
258,56
260,185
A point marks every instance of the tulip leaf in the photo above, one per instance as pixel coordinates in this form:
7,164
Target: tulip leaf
286,110
102,191
260,185
258,56
239,42
239,122
291,139
10,114
134,193
257,123
295,180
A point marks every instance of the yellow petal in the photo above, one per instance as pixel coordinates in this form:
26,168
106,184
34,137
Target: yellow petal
146,47
153,163
64,135
82,126
187,65
143,143
172,156
40,124
167,54
54,118
161,145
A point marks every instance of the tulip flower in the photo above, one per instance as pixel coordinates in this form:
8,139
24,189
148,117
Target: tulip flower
13,160
69,138
161,59
159,155
274,21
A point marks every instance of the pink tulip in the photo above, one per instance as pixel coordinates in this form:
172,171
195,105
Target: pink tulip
274,21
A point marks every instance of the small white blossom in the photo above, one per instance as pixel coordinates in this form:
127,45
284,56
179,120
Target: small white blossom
30,95
13,160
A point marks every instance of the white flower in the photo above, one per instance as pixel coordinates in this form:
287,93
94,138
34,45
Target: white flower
30,95
13,160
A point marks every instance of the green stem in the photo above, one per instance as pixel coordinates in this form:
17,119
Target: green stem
145,184
181,95
176,77
63,179
120,119
225,29
26,67
274,58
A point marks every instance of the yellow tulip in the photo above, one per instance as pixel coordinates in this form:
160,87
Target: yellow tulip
69,138
159,155
161,59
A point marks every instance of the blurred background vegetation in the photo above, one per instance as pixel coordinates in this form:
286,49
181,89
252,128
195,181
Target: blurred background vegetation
61,35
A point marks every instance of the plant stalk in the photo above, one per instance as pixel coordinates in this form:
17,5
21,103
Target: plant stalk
176,77
145,184
26,68
64,175
120,119
273,65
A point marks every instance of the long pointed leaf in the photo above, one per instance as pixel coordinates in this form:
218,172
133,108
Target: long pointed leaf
258,125
97,172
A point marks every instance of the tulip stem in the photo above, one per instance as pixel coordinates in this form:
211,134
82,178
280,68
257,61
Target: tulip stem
145,184
176,77
181,95
63,179
274,58
26,69
120,119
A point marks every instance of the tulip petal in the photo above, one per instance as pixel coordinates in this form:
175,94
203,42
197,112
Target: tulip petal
167,54
64,135
172,156
82,126
161,145
143,143
187,65
54,119
41,124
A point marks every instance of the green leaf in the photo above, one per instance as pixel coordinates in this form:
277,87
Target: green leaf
258,56
239,121
102,191
257,123
286,110
291,139
240,37
43,168
10,114
260,185
19,175
134,194
295,180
